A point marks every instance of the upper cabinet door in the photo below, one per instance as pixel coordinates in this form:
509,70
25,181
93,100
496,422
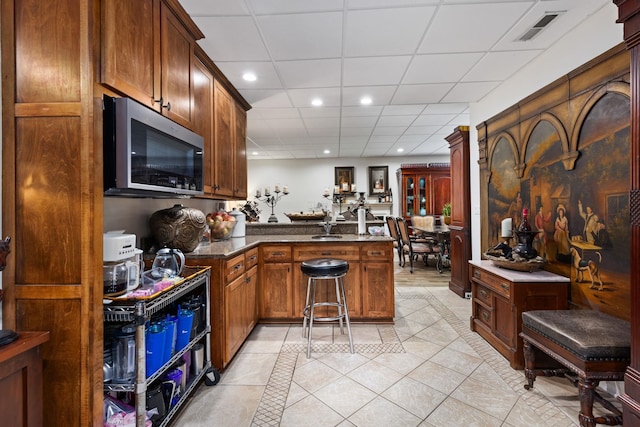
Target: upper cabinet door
224,130
176,64
131,46
240,163
202,122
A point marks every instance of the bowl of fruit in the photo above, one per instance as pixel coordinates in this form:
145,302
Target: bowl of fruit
221,224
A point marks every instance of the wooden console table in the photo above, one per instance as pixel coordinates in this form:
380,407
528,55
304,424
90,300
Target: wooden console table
499,296
21,380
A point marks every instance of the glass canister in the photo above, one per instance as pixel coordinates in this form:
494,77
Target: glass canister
123,355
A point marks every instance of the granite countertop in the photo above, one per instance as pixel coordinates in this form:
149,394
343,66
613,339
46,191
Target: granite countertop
227,248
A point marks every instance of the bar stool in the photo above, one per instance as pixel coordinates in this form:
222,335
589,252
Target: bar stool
322,270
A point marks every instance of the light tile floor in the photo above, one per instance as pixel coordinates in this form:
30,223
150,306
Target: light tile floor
428,369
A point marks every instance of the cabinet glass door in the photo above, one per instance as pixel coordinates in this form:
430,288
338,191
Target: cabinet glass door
422,194
409,196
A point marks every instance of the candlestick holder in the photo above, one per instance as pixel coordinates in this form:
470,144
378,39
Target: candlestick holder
272,200
339,198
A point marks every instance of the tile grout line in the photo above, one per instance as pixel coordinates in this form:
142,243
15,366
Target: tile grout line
515,379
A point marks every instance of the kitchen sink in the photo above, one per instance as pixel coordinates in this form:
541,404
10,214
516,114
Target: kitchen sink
327,237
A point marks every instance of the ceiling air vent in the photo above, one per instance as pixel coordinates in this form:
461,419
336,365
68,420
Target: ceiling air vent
542,23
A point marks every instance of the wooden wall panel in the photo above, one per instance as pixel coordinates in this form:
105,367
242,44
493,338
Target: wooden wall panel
62,356
47,241
49,65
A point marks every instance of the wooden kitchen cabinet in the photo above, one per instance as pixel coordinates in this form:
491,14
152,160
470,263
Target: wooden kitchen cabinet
425,188
203,118
148,50
275,295
352,288
499,297
376,271
240,153
240,300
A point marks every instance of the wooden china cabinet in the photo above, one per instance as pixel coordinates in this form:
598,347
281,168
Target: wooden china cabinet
425,188
460,227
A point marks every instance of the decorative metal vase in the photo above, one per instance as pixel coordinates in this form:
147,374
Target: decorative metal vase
178,227
524,248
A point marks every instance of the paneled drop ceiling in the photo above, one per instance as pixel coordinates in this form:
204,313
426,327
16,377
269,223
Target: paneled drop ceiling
421,63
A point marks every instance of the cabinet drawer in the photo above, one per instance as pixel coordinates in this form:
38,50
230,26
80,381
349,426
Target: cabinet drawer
234,267
484,295
345,252
484,315
276,253
378,252
251,258
495,283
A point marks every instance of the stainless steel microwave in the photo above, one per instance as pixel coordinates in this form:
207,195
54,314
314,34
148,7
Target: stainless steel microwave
147,154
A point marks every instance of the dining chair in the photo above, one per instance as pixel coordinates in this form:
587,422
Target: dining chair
392,225
414,248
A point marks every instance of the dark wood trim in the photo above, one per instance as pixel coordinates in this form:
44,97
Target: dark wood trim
629,15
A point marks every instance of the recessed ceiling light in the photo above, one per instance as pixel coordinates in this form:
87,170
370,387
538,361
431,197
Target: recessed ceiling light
400,150
316,102
250,77
255,153
327,151
366,100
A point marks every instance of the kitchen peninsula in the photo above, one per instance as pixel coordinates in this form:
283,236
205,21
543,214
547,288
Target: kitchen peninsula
257,278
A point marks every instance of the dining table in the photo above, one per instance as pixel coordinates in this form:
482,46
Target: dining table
441,234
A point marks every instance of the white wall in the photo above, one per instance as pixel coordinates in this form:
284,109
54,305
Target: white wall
308,178
596,35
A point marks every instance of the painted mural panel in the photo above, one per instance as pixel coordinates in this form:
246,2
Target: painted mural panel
582,214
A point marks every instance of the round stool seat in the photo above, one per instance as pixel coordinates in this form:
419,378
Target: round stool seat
324,267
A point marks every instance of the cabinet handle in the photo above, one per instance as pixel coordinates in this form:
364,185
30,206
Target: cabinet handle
485,315
253,258
325,253
247,279
483,293
162,105
277,253
237,267
476,274
374,253
505,287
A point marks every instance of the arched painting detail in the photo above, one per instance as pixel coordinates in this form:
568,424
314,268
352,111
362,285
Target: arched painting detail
543,188
598,207
504,199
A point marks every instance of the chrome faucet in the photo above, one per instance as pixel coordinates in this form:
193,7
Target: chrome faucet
327,227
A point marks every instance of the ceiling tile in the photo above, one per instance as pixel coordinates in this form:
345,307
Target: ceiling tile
499,65
315,112
470,92
367,4
273,113
477,27
292,6
354,122
264,71
445,108
266,98
381,70
402,110
396,120
296,36
361,110
325,122
440,68
421,94
249,47
310,73
356,131
433,119
423,130
214,7
380,95
385,31
303,97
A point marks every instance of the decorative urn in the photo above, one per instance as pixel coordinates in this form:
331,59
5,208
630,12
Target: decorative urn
178,227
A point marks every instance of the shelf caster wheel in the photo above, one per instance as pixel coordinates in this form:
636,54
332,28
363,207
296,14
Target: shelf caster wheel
211,377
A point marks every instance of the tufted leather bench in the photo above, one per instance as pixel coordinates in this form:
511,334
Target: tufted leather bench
591,347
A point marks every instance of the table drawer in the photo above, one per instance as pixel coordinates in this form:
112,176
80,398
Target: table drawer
495,283
276,253
484,315
345,252
234,267
251,258
484,295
